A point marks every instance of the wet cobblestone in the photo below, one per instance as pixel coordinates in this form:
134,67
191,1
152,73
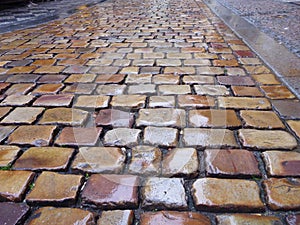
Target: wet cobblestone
147,112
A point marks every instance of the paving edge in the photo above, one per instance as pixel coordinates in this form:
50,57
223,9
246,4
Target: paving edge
283,62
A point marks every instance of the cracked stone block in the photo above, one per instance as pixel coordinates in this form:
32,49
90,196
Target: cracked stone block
55,189
267,139
122,137
161,136
44,158
32,135
13,184
111,191
240,195
23,115
282,194
8,154
145,161
64,116
161,117
61,216
164,193
180,162
116,217
13,213
79,136
99,160
208,137
234,219
230,163
174,218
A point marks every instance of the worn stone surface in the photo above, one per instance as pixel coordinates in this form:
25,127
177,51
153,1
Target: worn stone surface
79,136
99,160
125,64
230,163
23,115
64,116
295,126
111,89
13,184
280,163
248,219
32,135
174,218
12,213
128,101
164,193
167,89
61,216
161,117
180,162
44,158
122,137
162,101
195,101
17,100
213,118
213,90
243,91
114,118
287,108
54,188
116,217
244,103
54,100
5,131
277,92
282,194
208,137
111,191
161,136
4,111
264,139
8,153
145,160
92,101
240,195
261,119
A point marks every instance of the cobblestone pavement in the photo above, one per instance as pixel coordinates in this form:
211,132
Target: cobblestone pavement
148,112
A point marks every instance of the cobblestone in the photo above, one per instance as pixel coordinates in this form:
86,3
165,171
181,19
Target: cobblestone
54,188
141,108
